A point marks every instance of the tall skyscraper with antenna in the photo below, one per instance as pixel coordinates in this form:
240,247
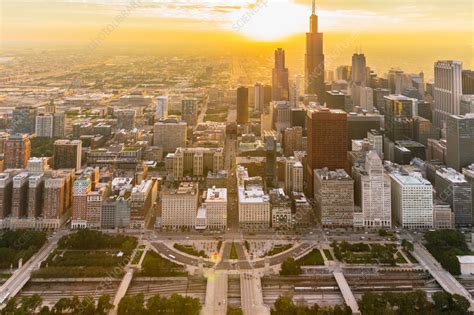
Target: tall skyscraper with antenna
314,59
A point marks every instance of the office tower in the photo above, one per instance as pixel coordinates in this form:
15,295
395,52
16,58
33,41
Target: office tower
189,111
35,195
376,140
367,99
292,140
67,154
216,208
17,151
399,113
115,213
467,82
20,196
294,95
142,199
467,104
179,206
373,192
267,95
170,134
259,103
335,100
82,187
6,187
460,141
425,110
379,99
125,118
54,198
423,130
23,119
359,69
59,125
314,59
334,196
412,201
161,107
398,81
343,73
44,126
468,173
271,143
281,214
327,141
358,125
242,105
254,204
280,85
454,189
447,90
281,115
196,162
298,118
293,175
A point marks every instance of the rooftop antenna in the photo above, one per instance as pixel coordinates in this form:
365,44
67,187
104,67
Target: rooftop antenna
314,7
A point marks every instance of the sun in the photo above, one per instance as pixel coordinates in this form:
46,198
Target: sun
272,21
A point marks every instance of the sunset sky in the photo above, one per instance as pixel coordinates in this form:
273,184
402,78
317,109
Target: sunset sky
418,25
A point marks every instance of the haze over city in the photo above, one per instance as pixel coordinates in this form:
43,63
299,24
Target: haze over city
242,157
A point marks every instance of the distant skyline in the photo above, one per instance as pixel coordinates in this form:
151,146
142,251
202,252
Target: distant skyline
400,30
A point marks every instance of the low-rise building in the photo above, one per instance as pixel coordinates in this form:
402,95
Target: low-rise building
179,206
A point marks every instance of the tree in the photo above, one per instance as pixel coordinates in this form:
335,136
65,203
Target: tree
104,305
283,305
132,305
407,245
234,311
62,305
290,267
30,303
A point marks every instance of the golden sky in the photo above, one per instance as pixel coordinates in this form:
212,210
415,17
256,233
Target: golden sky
400,26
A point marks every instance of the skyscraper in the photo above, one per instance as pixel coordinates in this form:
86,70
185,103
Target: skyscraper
460,141
44,126
359,69
242,105
314,59
67,154
259,97
17,151
281,90
327,141
161,107
447,90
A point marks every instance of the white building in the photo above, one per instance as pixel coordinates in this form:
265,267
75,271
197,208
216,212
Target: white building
367,98
373,189
467,265
412,201
216,208
254,204
179,206
44,126
293,175
447,90
197,161
161,107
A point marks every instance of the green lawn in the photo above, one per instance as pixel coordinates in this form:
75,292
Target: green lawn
314,258
278,249
328,254
233,252
188,249
155,266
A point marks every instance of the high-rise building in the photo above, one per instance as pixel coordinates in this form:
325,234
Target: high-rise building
454,189
179,207
170,134
292,140
259,103
17,151
35,195
59,125
242,105
44,126
336,100
161,107
216,208
468,173
359,69
196,162
373,192
293,175
125,118
314,59
467,104
358,125
82,187
327,141
447,90
367,99
54,198
375,138
142,199
67,154
412,201
468,82
23,119
20,196
281,115
6,187
280,84
190,111
379,99
334,195
399,113
460,141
